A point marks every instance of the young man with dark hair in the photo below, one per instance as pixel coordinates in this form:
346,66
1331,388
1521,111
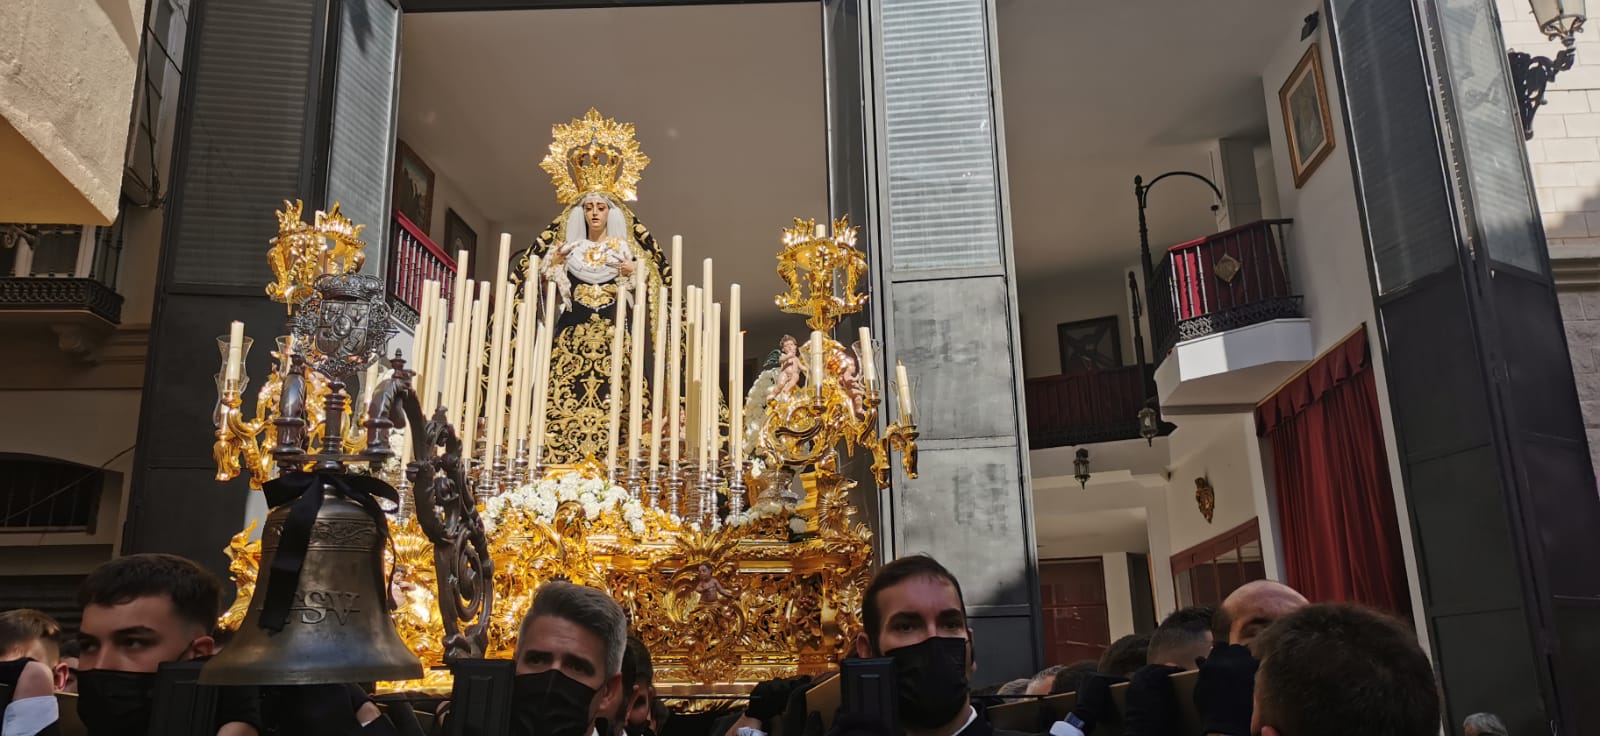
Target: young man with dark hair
1178,644
1183,637
1311,658
632,714
29,652
1125,655
1072,677
913,612
139,612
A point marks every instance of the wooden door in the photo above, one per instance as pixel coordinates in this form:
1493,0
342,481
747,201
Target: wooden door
1073,596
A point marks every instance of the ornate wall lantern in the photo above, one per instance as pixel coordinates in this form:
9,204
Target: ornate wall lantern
1560,20
1149,424
1080,467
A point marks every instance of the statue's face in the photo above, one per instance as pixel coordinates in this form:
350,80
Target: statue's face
594,214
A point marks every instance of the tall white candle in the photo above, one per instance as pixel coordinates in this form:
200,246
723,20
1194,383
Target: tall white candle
713,358
419,340
500,350
691,376
421,363
816,361
658,370
430,351
869,368
368,383
436,358
447,374
541,390
614,397
736,399
735,379
522,379
903,388
480,326
460,309
674,355
708,382
636,368
235,351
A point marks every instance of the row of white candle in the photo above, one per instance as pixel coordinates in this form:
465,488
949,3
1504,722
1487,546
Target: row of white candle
448,354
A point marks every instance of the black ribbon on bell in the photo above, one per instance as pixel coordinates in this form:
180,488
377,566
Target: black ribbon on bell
305,490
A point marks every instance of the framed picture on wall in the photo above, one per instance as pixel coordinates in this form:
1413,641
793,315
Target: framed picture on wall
413,187
1090,344
457,235
1307,122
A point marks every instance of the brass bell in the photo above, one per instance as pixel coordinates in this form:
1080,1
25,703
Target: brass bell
337,628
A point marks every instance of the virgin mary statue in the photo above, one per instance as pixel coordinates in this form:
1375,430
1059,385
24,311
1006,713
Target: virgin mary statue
595,252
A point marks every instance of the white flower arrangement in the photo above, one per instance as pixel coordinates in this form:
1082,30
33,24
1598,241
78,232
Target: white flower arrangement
541,499
597,498
759,511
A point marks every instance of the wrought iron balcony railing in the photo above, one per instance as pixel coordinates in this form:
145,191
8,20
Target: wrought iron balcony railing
1221,282
60,295
55,269
1088,406
414,258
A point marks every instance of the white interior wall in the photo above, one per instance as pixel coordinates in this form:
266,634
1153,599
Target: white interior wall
1082,295
1119,594
1214,448
448,194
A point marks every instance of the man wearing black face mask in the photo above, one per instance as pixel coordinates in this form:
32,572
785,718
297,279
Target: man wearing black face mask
569,662
913,612
140,612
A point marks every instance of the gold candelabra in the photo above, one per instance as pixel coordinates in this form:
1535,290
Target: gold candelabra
315,265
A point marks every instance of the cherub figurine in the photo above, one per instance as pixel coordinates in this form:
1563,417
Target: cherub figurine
709,588
788,367
850,381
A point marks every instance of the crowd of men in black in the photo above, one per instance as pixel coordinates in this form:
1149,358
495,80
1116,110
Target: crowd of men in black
1268,663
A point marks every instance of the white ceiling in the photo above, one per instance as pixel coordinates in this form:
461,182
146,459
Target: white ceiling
1096,92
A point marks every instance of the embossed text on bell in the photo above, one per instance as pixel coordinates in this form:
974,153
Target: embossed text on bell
320,614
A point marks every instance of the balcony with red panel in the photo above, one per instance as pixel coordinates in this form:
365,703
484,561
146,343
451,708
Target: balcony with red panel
414,258
1225,321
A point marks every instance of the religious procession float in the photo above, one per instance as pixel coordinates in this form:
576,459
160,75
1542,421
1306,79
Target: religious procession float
570,419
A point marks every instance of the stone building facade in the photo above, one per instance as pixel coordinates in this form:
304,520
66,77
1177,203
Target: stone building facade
1565,153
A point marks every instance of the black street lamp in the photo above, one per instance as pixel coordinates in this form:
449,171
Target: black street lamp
1080,467
1559,20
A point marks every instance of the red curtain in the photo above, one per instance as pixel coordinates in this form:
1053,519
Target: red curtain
1337,524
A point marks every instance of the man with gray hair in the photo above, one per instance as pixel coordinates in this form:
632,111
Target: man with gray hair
569,661
1483,724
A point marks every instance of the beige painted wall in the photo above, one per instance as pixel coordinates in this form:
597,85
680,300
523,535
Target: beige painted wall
88,427
67,70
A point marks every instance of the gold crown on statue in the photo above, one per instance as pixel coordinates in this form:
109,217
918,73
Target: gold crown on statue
594,155
832,269
302,252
